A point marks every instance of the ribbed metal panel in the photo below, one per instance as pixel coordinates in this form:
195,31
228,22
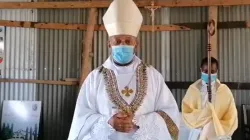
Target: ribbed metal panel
59,57
234,13
19,58
234,55
234,51
187,48
234,45
186,15
153,49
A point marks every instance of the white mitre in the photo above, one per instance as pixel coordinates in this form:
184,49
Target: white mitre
123,17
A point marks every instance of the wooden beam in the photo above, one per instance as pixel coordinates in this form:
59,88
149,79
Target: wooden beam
148,28
220,25
87,45
144,28
105,4
71,79
213,15
64,26
248,24
43,25
48,82
233,24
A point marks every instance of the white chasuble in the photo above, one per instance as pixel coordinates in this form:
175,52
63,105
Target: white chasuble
103,94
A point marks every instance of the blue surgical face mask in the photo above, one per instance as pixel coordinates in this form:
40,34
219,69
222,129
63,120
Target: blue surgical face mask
123,54
204,77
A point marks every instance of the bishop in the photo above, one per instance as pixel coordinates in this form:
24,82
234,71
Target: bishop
124,99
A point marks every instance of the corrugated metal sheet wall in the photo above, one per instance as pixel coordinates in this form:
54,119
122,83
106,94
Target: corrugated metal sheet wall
234,52
44,55
59,57
187,47
19,57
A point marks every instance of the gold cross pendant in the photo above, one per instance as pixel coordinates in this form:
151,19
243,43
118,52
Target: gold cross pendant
127,91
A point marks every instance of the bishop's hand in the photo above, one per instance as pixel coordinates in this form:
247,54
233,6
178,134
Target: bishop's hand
122,122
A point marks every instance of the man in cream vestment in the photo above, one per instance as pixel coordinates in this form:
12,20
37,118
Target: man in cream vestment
124,99
216,120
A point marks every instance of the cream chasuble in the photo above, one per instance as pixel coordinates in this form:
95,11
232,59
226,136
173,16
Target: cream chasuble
101,97
217,119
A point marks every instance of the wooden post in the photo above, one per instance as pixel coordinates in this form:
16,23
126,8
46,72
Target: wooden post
248,24
87,45
213,14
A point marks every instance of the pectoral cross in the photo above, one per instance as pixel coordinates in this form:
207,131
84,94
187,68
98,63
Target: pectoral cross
152,8
127,91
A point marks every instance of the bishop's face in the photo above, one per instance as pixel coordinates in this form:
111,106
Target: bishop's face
122,40
123,48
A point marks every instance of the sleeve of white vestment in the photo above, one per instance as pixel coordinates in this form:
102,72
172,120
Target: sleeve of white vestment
87,122
164,122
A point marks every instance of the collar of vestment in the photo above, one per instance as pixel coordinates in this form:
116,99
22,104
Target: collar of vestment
198,84
131,68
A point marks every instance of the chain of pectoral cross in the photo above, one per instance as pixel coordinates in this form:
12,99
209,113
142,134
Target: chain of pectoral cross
127,91
152,8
